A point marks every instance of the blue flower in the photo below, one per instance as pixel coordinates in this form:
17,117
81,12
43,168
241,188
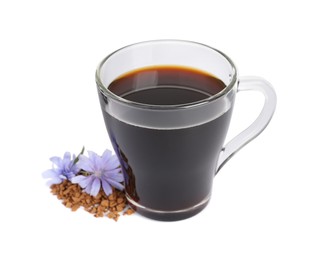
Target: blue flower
103,171
62,169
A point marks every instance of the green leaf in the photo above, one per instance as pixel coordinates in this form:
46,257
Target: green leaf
77,157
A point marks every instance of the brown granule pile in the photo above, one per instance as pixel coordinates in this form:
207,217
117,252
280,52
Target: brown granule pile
74,197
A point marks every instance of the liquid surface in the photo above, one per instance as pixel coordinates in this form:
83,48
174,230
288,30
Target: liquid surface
166,85
168,95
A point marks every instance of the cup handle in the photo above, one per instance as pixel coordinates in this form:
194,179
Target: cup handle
246,84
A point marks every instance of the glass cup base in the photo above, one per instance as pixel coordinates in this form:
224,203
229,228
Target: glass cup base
168,215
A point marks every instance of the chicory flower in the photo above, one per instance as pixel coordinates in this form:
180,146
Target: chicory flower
103,171
62,169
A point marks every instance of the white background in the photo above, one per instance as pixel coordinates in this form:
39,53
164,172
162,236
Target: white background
265,199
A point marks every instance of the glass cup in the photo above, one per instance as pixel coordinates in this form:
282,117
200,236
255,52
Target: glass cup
169,154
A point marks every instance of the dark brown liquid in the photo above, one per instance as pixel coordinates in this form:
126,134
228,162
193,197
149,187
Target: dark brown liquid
171,169
169,85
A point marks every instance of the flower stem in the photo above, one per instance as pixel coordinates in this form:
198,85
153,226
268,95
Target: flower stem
77,158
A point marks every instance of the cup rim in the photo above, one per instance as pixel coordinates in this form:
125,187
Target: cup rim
105,91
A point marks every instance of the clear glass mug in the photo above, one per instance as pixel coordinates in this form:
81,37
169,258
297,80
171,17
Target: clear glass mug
170,154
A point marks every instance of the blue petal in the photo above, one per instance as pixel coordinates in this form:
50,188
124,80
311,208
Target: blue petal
109,173
73,171
86,182
107,153
106,187
112,163
114,176
62,177
93,157
106,156
97,161
50,174
88,188
115,184
78,179
69,175
57,161
54,181
95,187
75,168
67,157
85,164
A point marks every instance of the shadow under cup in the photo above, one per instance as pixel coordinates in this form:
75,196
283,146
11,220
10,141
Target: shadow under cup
168,153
